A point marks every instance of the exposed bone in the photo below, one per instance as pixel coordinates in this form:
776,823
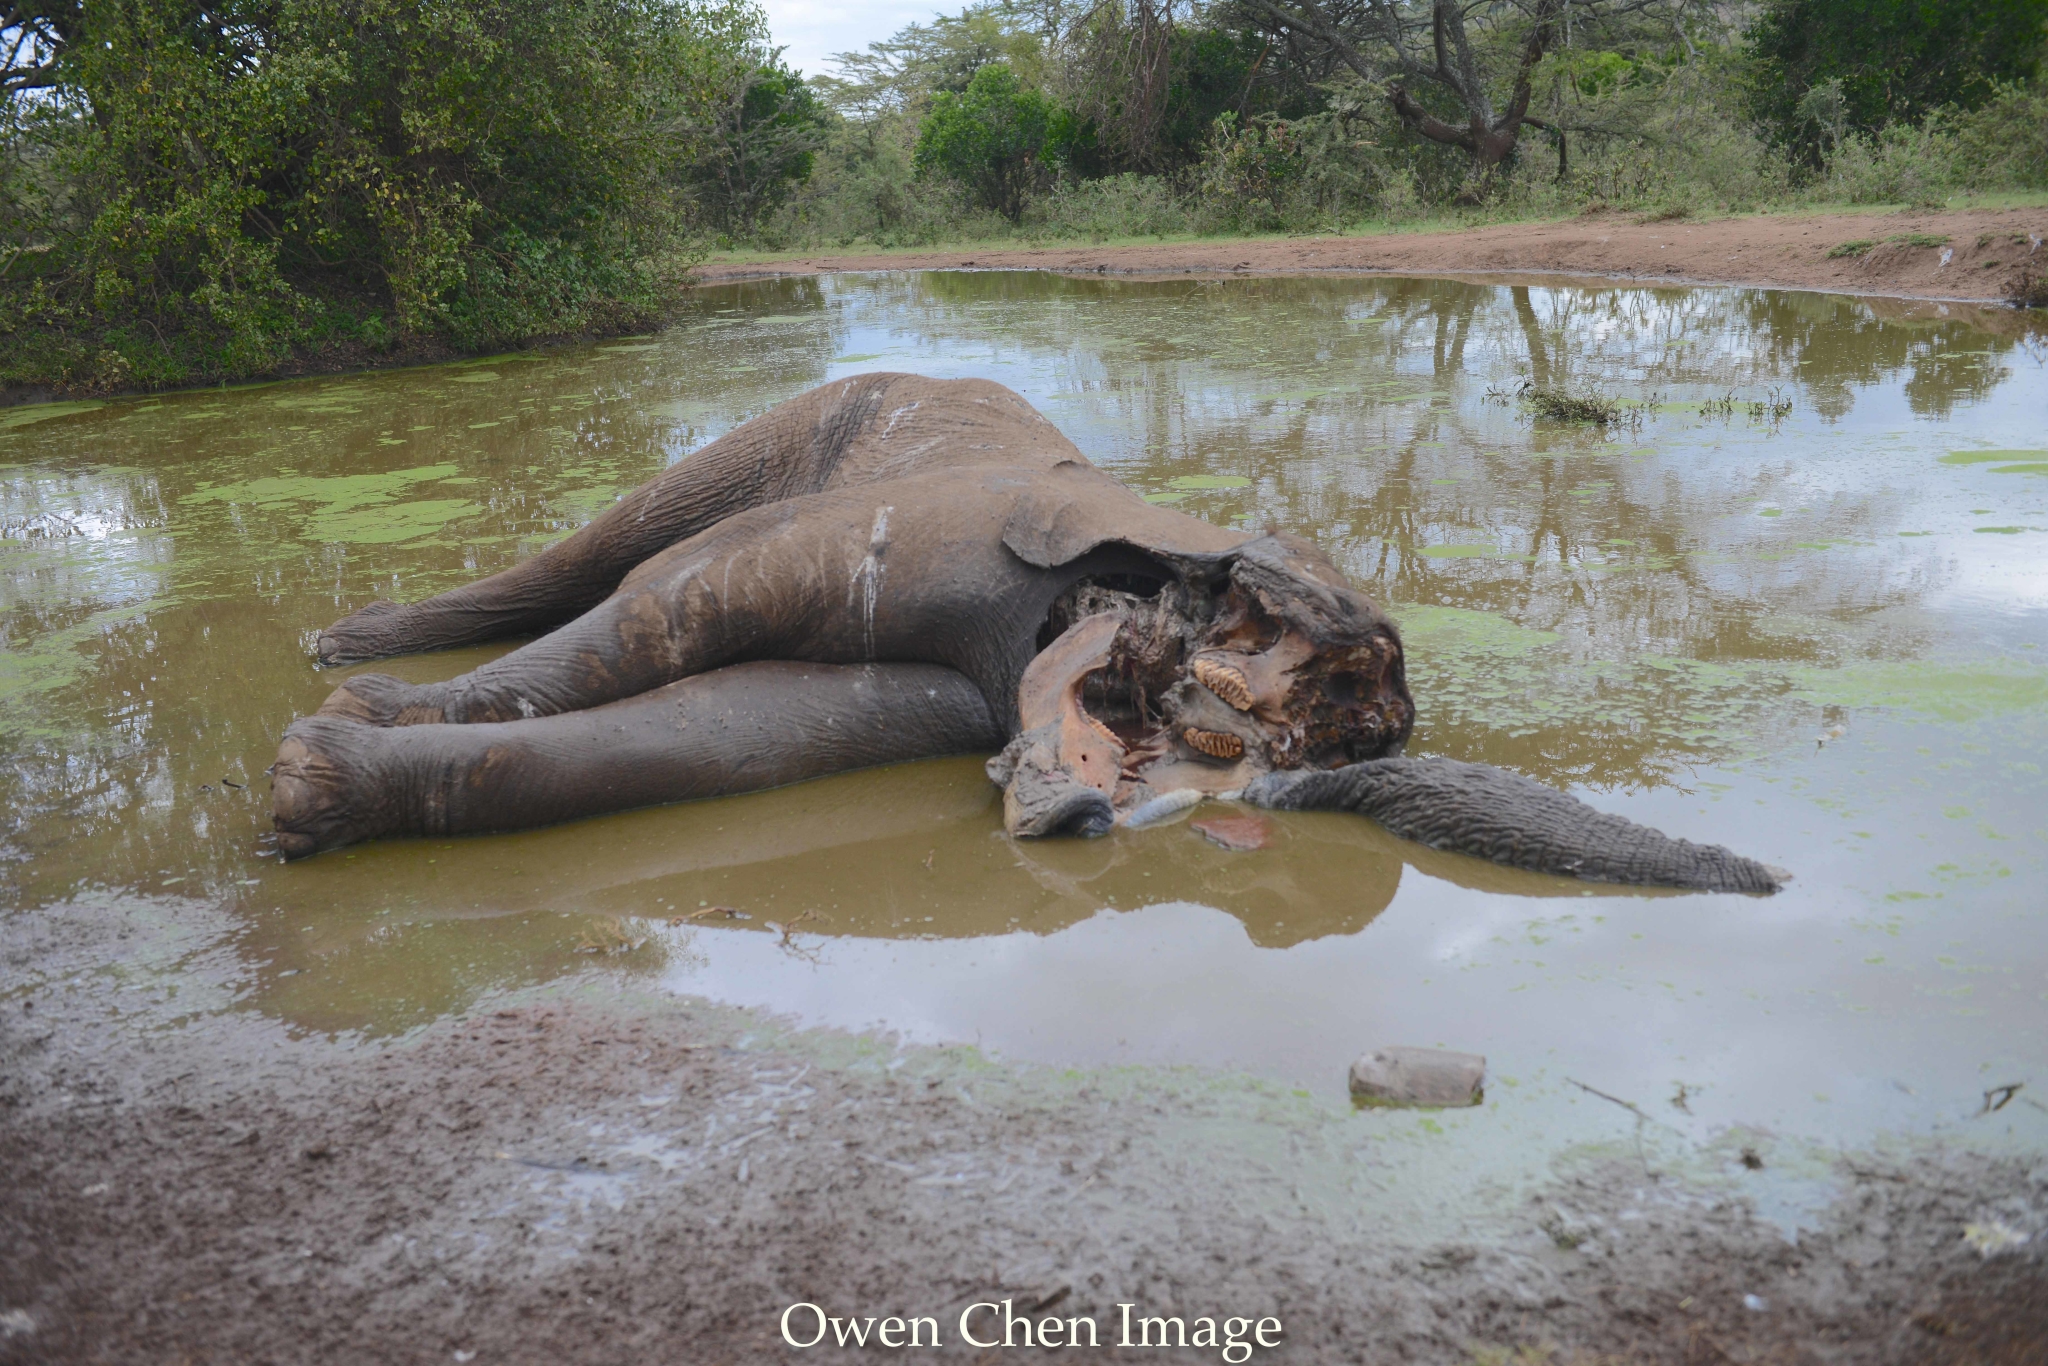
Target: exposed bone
1157,809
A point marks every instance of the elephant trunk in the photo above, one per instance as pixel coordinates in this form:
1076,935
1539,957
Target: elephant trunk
1494,814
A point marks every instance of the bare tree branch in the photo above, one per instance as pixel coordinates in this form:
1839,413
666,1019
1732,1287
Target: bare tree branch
1452,64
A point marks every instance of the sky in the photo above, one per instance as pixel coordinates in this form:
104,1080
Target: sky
811,30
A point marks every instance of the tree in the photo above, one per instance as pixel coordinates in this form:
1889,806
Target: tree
995,137
762,131
1451,54
192,190
1824,68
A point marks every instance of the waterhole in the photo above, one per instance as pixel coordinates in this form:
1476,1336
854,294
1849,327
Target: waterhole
1755,609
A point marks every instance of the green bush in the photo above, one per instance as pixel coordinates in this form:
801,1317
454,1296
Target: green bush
865,189
243,182
760,143
1251,175
996,137
1906,163
1823,69
2003,143
1111,206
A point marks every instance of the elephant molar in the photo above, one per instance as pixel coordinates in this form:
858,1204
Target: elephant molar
1214,743
1226,682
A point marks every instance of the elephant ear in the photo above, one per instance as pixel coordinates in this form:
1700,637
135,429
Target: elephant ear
1071,509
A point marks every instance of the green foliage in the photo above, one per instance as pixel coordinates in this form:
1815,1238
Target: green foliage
2003,142
866,190
1124,205
1824,69
1216,71
996,137
1906,163
247,181
760,144
1594,74
1251,173
2000,145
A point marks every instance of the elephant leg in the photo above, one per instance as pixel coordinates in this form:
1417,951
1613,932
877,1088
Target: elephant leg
698,606
740,729
1493,814
789,451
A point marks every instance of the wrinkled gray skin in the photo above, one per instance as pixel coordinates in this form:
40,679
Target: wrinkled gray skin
891,568
1494,814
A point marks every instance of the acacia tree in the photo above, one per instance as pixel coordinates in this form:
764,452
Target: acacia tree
1444,45
759,130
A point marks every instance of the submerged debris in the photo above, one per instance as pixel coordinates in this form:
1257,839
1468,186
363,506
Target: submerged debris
1240,833
1431,1077
1161,808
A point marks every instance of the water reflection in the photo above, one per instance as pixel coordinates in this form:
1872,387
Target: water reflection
1697,601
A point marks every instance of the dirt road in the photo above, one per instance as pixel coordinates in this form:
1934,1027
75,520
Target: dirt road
1974,258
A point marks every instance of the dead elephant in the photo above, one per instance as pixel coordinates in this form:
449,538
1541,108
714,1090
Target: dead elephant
890,568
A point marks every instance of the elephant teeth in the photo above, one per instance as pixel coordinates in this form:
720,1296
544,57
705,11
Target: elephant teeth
1214,743
1226,682
1105,732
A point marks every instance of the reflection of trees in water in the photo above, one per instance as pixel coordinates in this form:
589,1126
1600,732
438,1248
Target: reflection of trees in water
156,645
1831,345
1623,555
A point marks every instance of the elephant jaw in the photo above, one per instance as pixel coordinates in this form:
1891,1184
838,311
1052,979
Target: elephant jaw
1135,701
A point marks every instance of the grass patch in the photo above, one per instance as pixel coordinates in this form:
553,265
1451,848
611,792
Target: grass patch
1919,239
1559,405
1855,248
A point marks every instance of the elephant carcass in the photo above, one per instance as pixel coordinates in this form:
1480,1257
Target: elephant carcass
813,573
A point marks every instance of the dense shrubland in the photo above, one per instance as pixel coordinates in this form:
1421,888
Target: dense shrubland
191,192
1242,116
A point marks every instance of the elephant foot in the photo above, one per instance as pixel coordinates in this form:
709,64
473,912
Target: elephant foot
381,700
374,632
324,790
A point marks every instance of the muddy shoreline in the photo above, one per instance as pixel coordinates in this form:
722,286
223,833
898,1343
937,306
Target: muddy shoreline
593,1173
1759,251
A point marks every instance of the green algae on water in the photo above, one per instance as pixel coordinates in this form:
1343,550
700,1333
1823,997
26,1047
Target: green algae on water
29,413
364,509
2007,461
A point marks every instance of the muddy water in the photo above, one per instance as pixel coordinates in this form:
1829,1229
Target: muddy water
1796,603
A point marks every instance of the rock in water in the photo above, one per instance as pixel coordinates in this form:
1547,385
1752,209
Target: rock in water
1432,1077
